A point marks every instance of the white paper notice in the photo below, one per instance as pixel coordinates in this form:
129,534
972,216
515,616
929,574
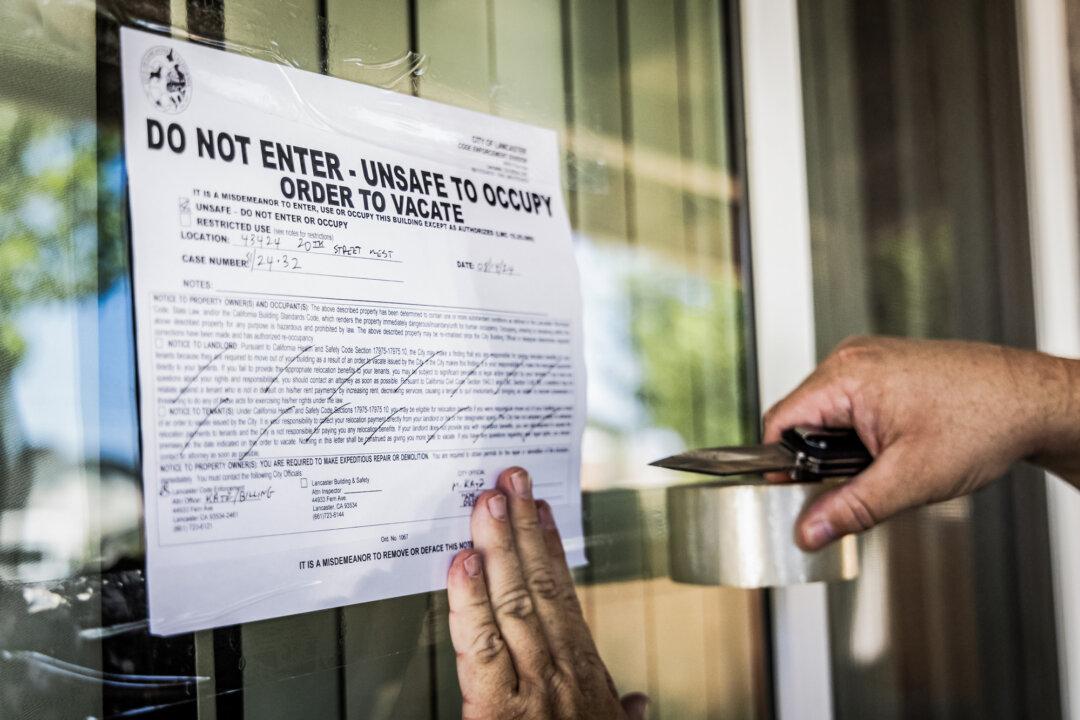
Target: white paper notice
353,308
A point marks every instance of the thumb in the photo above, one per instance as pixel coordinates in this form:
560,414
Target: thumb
857,505
636,705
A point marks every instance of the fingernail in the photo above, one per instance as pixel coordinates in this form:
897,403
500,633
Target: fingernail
473,565
522,484
819,533
497,507
637,705
547,520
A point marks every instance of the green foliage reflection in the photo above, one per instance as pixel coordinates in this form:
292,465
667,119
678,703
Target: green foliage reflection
48,217
686,329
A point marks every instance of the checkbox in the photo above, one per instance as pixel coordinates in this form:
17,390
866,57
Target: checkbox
303,482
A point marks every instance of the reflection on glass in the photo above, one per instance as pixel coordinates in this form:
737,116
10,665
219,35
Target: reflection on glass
919,225
649,322
639,95
62,503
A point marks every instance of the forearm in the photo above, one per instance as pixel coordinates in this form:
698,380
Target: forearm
1058,446
942,419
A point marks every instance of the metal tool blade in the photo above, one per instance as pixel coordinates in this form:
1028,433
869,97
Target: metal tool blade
731,460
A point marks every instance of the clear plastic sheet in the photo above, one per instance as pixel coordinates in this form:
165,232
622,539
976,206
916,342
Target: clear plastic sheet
66,615
51,23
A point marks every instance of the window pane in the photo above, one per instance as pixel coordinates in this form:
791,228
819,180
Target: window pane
642,97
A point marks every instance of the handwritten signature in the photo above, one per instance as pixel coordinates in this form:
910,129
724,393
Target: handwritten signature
237,494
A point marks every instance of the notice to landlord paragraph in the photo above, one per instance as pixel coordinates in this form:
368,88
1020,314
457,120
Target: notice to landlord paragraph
353,309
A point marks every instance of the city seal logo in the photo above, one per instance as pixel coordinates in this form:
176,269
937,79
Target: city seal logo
166,79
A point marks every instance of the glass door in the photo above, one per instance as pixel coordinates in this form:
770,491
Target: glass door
646,103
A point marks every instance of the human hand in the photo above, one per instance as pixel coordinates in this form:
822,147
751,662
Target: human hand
523,648
940,418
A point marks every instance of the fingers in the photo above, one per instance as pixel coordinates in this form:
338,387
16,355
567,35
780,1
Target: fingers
636,705
551,588
484,665
824,399
556,553
591,680
857,505
820,401
514,609
522,642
